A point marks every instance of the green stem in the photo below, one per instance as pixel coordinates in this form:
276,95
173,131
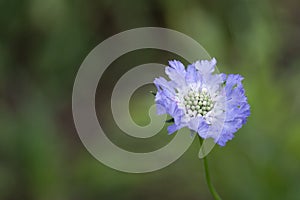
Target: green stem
207,176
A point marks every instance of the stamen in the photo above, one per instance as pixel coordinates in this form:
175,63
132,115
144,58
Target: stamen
198,103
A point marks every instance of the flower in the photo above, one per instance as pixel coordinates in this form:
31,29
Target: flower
211,104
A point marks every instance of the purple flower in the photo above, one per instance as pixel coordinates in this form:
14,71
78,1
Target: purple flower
213,105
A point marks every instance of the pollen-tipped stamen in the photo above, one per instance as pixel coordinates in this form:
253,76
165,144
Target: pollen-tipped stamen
198,103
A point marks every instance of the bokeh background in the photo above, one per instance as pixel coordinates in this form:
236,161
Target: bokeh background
43,43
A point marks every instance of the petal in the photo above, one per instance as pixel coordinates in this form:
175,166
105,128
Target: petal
175,112
176,72
160,108
191,75
226,134
162,84
223,76
193,124
213,82
237,108
199,125
206,66
202,128
233,81
165,95
172,128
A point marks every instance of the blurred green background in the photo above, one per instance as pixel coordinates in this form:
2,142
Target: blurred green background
43,43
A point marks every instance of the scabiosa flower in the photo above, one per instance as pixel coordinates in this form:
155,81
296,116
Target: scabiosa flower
211,104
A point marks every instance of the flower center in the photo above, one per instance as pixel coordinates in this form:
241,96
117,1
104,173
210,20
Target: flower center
198,103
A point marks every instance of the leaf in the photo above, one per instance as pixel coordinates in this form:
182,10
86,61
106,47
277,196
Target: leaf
170,120
152,92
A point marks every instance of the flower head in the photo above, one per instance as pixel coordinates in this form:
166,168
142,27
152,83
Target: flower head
213,105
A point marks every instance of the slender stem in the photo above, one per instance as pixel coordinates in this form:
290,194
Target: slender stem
207,176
